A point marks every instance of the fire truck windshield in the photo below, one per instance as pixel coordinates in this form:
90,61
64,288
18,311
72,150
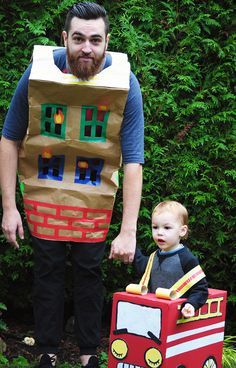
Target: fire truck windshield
138,320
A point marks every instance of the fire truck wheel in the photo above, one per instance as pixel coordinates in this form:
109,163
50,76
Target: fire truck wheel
181,366
210,362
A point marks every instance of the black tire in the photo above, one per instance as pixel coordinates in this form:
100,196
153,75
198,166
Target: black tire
210,362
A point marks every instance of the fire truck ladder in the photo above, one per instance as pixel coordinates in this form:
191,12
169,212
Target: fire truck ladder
201,314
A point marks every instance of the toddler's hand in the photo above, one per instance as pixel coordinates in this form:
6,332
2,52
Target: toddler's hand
188,310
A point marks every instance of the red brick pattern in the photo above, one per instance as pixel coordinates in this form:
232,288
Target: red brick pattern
67,223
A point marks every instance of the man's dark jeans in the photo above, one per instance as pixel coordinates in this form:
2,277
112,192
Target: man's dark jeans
48,296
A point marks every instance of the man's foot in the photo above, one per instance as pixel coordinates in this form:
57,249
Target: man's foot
47,361
92,363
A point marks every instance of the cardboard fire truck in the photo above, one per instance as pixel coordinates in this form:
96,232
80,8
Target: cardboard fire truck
147,331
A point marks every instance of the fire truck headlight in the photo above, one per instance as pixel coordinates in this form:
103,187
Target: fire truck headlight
119,349
153,358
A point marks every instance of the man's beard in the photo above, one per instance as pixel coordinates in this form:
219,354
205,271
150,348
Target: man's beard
83,70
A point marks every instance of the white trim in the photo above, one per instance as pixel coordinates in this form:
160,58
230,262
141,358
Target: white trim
127,365
116,76
195,331
194,344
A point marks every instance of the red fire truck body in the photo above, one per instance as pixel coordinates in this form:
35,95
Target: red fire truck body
147,331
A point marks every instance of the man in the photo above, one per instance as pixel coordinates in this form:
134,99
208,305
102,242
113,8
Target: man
86,40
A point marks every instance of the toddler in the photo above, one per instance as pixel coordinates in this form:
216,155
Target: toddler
172,259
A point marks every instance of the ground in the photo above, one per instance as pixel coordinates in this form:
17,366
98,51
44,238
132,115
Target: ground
18,330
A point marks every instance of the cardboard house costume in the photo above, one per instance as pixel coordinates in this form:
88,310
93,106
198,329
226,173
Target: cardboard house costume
71,154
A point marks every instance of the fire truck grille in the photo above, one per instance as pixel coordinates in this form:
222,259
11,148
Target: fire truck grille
127,365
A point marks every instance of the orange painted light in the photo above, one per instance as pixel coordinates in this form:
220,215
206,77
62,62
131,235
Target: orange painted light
59,117
102,107
47,153
82,164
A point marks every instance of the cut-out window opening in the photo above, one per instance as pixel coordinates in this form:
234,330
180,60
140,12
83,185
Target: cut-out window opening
53,120
51,167
94,123
88,170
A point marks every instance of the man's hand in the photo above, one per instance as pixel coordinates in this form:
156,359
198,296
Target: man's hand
11,220
123,246
12,226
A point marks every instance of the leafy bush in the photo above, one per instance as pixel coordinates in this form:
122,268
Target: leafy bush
3,361
229,352
3,325
182,53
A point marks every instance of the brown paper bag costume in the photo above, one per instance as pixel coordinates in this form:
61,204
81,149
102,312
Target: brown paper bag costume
71,154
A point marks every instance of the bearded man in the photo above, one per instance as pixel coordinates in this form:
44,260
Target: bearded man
29,124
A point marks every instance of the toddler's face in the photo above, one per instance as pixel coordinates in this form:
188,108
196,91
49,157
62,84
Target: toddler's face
167,230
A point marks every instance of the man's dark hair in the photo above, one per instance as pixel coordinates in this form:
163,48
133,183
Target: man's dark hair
86,10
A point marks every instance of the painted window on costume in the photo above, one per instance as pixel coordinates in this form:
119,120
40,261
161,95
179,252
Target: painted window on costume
88,170
50,167
94,123
53,120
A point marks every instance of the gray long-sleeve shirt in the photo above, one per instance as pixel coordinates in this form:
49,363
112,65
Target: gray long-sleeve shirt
168,268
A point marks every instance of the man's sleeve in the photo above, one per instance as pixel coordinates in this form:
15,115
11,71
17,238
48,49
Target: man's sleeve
16,121
132,130
17,118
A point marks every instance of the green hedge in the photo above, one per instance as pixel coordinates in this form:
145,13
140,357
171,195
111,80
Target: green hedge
183,55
